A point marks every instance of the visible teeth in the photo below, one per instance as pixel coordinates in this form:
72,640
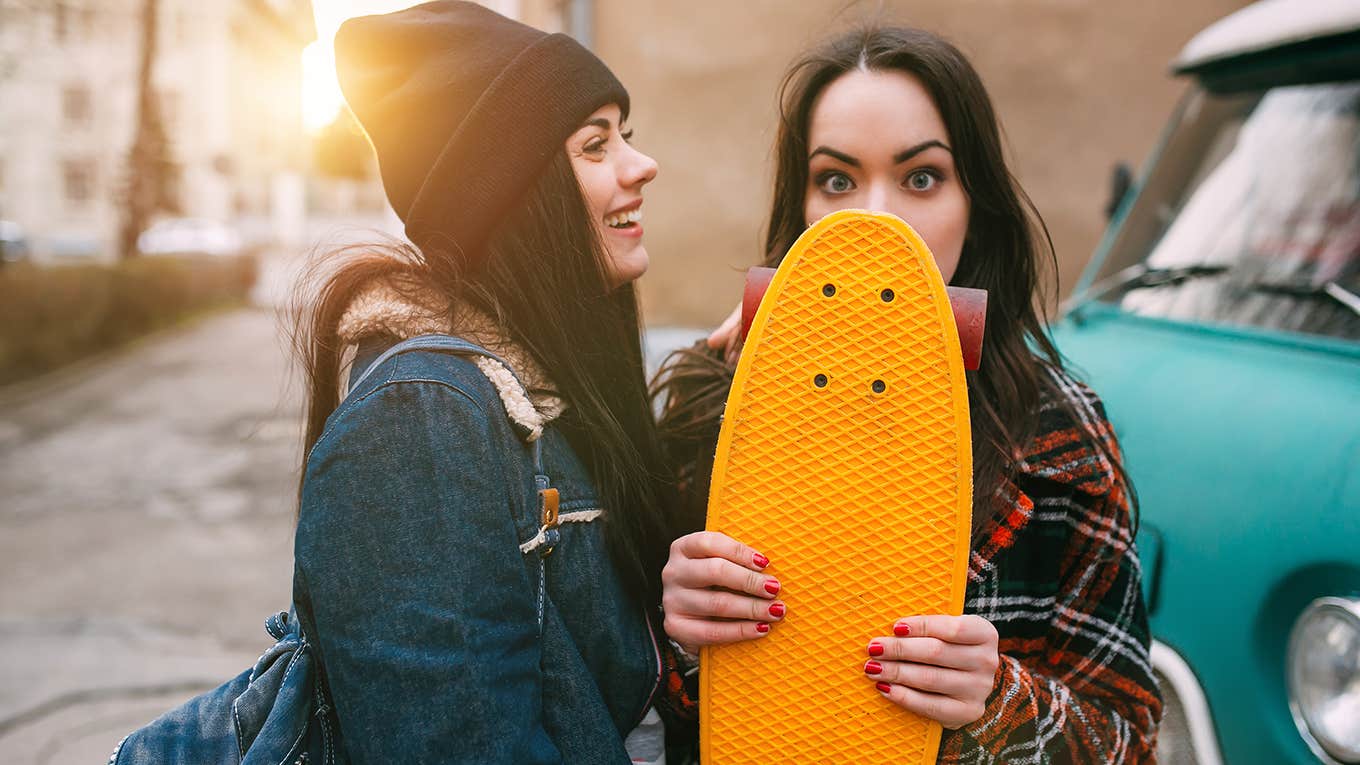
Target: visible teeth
623,219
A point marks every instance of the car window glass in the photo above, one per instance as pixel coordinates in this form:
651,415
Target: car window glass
1269,220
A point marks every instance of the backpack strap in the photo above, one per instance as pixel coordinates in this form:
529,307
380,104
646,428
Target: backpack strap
437,343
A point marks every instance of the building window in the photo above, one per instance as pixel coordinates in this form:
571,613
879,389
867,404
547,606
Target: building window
61,21
76,105
78,180
72,21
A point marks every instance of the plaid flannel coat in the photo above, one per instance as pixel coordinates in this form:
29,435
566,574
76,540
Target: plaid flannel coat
1058,575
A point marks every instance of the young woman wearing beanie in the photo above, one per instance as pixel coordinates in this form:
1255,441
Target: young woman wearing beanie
481,532
1049,662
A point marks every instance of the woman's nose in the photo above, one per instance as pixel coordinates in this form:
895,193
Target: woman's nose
639,169
877,200
885,198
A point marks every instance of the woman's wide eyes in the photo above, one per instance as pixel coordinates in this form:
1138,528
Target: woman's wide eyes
922,180
840,183
836,183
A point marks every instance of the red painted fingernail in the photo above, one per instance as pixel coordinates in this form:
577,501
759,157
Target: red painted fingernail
772,586
901,630
875,649
760,560
762,628
872,667
883,687
777,610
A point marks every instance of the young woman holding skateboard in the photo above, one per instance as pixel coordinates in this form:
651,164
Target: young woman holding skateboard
1049,662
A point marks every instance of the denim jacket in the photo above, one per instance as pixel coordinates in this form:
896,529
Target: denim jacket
450,626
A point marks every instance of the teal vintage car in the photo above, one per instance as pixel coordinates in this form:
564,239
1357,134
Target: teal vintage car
1219,320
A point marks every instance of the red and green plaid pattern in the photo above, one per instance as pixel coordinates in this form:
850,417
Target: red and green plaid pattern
1058,575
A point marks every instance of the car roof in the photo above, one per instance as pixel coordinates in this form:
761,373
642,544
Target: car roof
1266,25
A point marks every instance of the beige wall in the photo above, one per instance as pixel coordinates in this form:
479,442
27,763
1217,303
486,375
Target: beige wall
1078,84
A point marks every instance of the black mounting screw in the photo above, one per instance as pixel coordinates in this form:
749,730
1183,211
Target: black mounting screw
829,290
879,386
887,295
819,381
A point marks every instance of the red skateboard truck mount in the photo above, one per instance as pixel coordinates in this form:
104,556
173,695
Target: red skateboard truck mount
969,304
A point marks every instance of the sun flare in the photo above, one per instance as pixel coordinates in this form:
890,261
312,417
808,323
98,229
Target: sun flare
321,97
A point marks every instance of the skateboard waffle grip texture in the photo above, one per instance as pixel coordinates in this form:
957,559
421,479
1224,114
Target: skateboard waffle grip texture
844,456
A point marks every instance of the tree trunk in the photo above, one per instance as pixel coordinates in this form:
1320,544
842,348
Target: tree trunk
151,171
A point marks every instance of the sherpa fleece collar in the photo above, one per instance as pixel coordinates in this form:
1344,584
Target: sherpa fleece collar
404,310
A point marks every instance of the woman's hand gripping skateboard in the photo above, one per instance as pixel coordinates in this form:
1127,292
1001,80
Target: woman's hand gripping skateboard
940,667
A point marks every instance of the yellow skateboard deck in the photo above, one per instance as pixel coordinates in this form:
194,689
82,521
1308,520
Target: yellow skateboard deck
845,457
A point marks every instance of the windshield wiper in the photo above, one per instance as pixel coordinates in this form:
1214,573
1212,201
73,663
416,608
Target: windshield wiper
1140,276
1301,289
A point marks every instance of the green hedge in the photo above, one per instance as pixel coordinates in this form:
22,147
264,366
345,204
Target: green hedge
55,315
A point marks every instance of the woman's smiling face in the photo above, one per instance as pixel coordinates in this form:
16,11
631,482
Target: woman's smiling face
612,173
877,142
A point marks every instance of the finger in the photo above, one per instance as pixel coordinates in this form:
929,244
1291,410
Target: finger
932,651
718,337
713,544
721,337
722,604
734,345
924,677
968,629
704,573
951,713
699,632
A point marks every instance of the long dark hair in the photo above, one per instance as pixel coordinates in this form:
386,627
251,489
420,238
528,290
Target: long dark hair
1006,250
543,279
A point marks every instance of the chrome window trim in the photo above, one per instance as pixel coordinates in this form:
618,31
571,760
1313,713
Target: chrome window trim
1198,719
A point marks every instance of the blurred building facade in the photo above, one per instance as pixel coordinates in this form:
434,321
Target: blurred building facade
228,76
1078,85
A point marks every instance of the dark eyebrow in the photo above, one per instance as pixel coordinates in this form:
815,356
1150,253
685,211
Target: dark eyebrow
898,158
599,122
903,156
830,152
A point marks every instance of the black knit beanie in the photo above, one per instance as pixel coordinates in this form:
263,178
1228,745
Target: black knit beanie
465,108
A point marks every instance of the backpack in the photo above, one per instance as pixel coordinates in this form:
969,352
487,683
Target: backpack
279,710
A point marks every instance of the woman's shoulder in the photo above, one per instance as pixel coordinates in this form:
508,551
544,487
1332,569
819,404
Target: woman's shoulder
1074,443
446,393
456,371
1066,402
446,375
